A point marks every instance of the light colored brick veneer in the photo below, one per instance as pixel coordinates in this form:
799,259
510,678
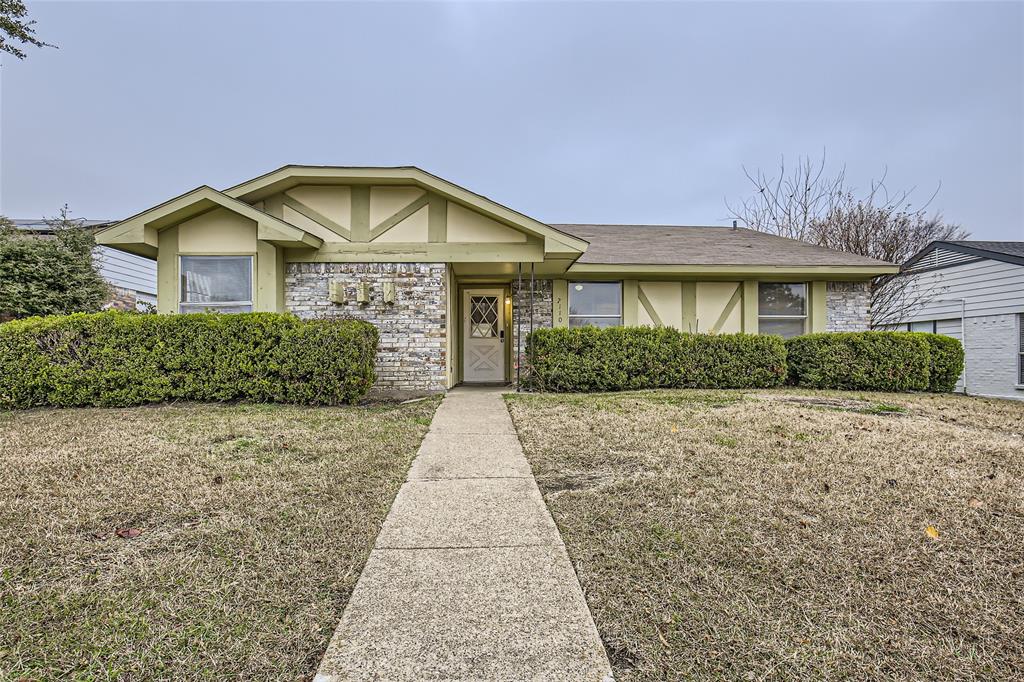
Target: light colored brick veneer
412,354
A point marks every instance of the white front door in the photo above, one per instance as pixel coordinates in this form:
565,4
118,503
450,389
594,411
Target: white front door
483,335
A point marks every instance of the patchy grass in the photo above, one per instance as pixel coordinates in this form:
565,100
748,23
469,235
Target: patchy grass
771,535
189,542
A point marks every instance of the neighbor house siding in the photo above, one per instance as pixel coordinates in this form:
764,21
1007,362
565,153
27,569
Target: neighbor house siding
412,357
127,271
992,293
991,287
993,355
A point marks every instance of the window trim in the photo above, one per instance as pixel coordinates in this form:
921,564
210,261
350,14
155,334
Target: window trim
568,301
220,304
805,317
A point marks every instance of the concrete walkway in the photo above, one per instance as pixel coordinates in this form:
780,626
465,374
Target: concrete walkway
469,579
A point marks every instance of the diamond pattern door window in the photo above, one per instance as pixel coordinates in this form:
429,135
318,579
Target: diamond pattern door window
483,317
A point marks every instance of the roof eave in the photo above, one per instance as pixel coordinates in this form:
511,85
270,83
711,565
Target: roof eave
833,272
138,234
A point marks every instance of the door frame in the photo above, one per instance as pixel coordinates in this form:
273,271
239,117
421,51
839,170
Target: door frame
460,351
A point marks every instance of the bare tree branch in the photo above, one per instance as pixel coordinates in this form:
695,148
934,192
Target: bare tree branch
805,203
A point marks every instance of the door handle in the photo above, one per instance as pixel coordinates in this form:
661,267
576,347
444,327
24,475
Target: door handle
501,335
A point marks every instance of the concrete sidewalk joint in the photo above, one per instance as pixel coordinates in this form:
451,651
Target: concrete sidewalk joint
469,578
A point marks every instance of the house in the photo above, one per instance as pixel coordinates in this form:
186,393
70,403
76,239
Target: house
455,281
974,291
132,278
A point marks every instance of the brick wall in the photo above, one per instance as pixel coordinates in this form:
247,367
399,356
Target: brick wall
992,355
412,354
542,310
121,299
847,306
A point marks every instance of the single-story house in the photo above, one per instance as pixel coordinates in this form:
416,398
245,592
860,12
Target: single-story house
132,278
455,280
974,291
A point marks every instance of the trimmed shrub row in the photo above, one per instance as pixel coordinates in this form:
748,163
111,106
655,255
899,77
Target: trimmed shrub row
947,358
875,361
627,358
121,359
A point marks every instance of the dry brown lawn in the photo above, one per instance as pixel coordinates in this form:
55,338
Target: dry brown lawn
790,534
189,542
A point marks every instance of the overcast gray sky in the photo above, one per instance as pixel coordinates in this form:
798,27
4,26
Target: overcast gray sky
568,112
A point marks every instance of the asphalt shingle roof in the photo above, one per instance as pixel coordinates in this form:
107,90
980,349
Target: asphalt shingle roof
1008,248
689,245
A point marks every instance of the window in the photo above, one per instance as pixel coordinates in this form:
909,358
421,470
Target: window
927,326
483,317
595,303
781,309
216,283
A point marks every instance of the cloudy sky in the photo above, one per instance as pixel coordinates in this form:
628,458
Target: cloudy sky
613,112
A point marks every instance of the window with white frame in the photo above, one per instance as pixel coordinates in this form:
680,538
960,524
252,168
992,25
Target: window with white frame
595,303
220,284
781,308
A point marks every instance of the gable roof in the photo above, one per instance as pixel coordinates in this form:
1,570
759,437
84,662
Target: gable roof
1007,252
292,175
138,233
678,245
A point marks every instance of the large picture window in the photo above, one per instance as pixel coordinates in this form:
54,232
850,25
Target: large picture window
781,309
221,284
595,303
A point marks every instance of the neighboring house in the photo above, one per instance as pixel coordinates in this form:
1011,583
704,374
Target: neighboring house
132,278
974,291
455,281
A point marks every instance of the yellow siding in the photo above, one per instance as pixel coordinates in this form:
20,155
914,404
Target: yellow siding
331,201
665,302
167,271
219,231
387,201
292,216
690,306
466,225
712,300
415,228
269,276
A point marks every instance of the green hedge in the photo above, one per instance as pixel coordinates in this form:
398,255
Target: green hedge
119,359
947,361
868,361
626,358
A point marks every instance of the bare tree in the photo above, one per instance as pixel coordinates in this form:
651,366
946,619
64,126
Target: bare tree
806,203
